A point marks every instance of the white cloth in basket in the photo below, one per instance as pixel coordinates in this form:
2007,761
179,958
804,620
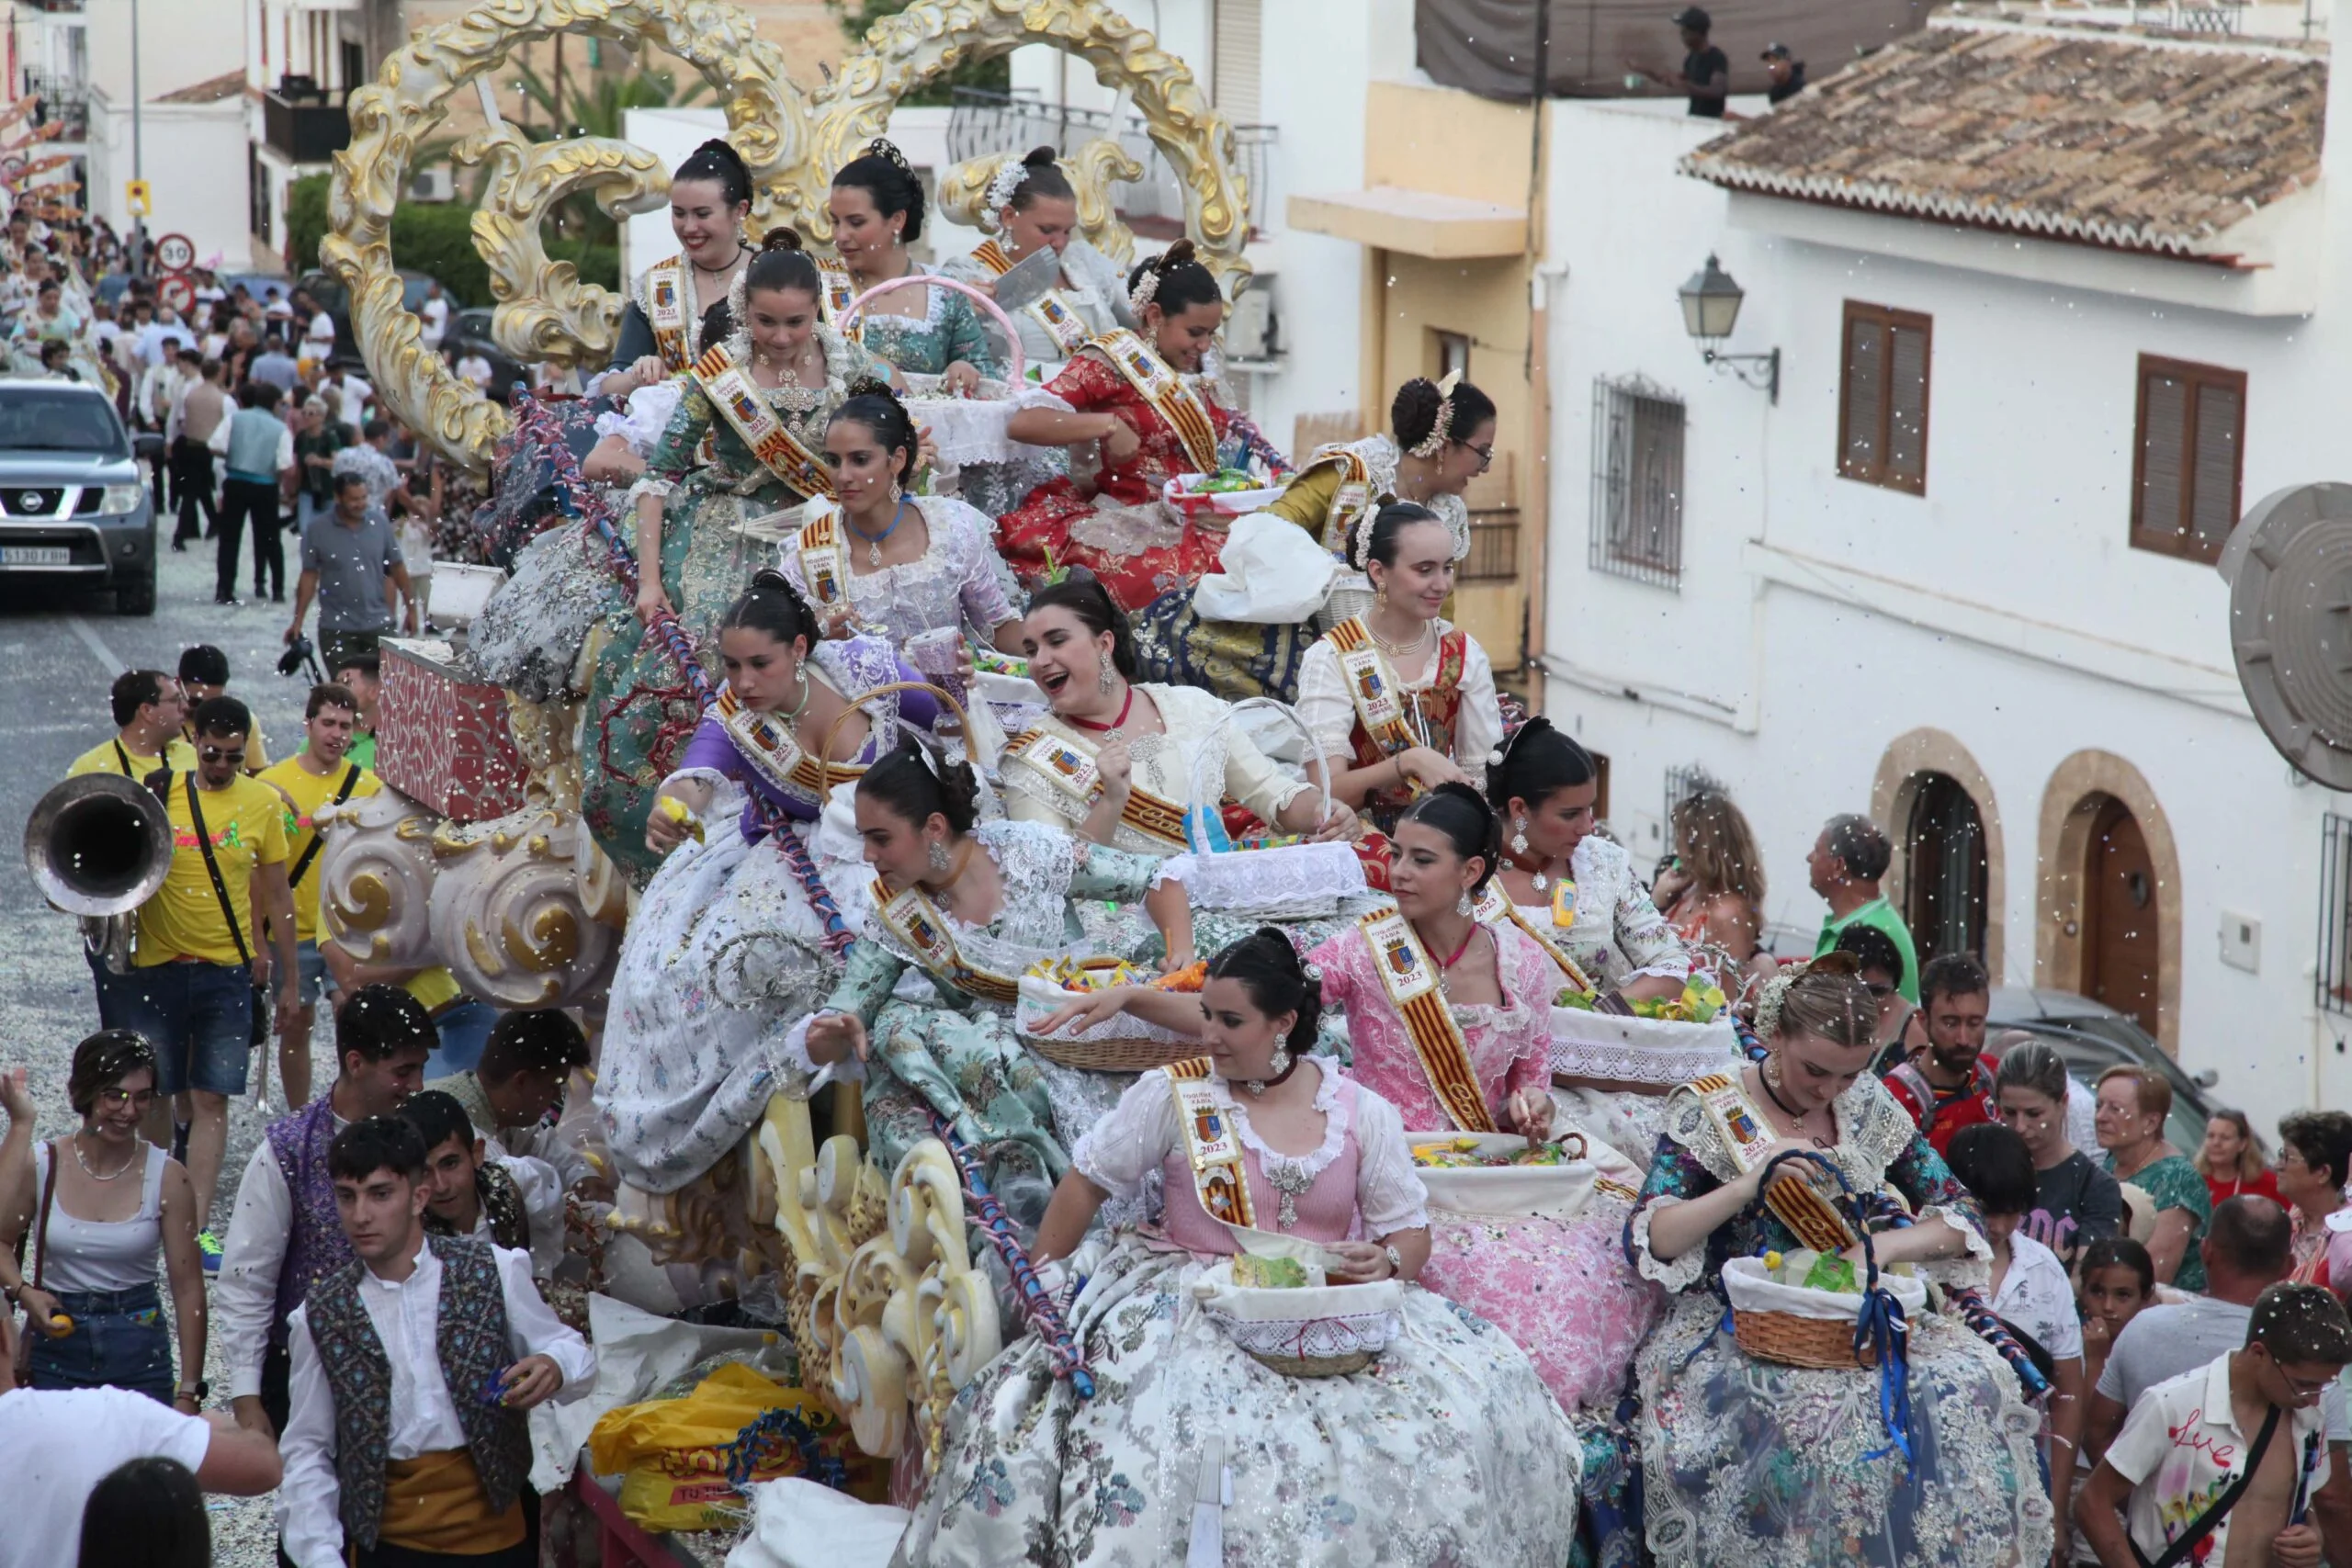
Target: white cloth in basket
1619,1047
1323,1323
1749,1287
1281,877
1272,573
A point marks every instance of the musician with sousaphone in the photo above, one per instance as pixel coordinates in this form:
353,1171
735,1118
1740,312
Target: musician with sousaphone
764,396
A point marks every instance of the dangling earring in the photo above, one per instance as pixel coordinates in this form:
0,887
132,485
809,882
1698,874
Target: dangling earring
1277,1066
1380,596
938,857
898,490
1103,675
1519,835
1461,906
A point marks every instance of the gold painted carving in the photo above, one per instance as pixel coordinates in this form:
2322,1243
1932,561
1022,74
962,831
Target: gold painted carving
792,143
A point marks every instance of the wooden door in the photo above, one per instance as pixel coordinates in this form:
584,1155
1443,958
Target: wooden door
1945,870
2119,916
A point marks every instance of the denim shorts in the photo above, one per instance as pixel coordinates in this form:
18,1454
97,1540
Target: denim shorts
200,1019
310,971
107,984
119,1340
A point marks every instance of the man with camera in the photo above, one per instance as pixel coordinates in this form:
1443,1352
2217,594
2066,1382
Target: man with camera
352,565
200,975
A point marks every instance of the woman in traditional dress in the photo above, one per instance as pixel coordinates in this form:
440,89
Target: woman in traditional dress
972,904
876,205
1030,208
1123,763
1444,1451
1768,1466
1576,894
1138,393
1399,699
889,562
729,947
710,198
1444,439
764,396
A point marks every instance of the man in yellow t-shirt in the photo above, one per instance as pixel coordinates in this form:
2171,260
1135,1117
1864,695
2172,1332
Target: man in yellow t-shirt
197,963
148,709
204,674
319,773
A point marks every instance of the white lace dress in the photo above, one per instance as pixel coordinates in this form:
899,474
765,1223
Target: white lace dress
1447,1449
959,581
1763,1465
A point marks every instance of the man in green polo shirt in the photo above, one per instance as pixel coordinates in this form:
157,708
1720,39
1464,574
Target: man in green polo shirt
1846,861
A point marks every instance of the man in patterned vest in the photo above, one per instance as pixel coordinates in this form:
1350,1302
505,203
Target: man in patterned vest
414,1364
284,1235
472,1189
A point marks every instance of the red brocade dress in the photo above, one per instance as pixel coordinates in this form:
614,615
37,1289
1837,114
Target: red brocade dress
1123,532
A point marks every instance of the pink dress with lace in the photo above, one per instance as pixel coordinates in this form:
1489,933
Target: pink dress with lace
1562,1289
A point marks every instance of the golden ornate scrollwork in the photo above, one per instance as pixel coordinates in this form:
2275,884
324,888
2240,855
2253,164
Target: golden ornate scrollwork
1091,171
375,878
792,143
889,1314
767,121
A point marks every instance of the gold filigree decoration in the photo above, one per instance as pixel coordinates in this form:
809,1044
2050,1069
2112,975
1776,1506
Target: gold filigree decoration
545,310
792,145
911,50
890,1315
1091,171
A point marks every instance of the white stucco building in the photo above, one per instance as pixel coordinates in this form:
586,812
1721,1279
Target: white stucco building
1960,569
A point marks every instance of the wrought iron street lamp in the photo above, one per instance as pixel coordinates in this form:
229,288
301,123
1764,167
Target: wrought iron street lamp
1711,302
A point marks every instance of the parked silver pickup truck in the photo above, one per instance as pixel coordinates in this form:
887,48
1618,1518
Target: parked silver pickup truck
73,504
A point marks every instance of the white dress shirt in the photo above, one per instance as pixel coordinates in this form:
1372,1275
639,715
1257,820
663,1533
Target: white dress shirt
244,1292
406,1314
542,1193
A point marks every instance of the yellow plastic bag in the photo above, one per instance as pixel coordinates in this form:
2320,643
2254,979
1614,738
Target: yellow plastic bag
670,1454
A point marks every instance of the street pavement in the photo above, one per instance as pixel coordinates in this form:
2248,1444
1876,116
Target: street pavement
61,651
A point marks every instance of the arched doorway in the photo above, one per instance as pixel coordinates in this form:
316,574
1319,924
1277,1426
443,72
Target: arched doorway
2121,923
1944,868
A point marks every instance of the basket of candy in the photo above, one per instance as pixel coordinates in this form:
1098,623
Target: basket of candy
1121,1043
1274,1300
1800,1309
1661,1042
1502,1173
1214,498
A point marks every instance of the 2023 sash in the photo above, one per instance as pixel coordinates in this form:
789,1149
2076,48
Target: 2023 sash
1747,1137
1165,390
765,742
1494,907
1410,979
916,921
666,312
1067,764
1049,310
738,402
1219,1179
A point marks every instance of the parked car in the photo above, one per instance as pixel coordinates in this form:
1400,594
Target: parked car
469,332
2091,1037
74,506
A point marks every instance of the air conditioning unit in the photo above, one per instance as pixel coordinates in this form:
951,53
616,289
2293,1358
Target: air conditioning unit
432,184
1252,332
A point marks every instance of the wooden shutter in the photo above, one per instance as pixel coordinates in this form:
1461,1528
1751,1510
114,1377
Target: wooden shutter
2188,458
1883,403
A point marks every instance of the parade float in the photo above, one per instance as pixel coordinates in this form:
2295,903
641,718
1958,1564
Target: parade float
888,1288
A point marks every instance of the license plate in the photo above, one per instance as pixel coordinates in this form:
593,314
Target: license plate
36,554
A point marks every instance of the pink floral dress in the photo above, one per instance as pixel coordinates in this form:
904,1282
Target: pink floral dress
1561,1289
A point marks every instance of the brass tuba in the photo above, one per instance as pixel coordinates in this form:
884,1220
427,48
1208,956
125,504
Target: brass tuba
99,846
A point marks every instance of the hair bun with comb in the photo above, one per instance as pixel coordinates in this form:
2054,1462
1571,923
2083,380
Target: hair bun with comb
884,148
783,237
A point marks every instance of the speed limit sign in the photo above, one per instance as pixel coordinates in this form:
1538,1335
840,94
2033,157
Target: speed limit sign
176,289
174,253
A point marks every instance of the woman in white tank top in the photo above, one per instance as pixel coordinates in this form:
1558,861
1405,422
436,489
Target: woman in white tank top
103,1205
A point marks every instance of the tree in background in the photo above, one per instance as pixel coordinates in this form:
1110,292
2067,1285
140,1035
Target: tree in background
990,75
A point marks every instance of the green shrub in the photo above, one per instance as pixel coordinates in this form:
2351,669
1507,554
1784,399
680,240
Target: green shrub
437,238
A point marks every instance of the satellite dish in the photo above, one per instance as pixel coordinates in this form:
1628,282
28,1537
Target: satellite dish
2289,565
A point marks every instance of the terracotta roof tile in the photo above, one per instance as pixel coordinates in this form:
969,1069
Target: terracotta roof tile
2115,137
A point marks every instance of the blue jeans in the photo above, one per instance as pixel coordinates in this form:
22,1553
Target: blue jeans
118,1341
310,971
465,1029
199,1017
105,983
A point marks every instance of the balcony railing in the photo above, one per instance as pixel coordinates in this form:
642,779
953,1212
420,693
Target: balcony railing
56,7
304,124
63,102
982,121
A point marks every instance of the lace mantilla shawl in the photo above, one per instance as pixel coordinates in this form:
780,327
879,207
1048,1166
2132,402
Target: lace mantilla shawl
1618,935
1380,455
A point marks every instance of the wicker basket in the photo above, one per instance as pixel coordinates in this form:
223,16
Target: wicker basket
1323,1331
1792,1342
1123,1044
1819,1332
